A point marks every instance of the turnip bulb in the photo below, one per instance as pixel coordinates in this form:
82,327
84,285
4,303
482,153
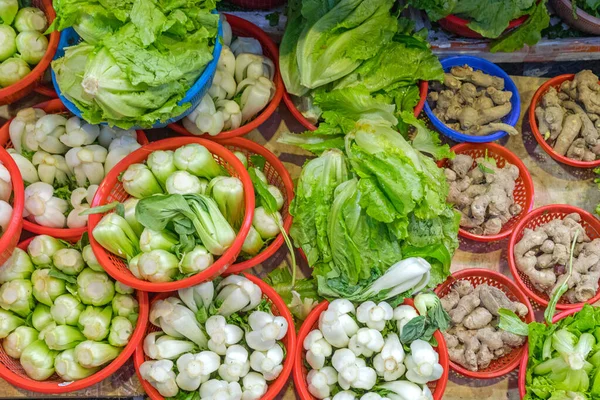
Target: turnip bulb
30,19
7,42
13,70
32,46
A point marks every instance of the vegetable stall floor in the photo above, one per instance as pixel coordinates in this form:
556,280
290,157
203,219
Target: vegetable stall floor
554,183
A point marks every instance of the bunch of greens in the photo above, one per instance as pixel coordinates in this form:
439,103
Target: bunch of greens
60,312
353,45
591,7
490,18
138,57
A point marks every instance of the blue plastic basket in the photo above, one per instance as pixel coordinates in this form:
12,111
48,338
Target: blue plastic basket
194,95
489,68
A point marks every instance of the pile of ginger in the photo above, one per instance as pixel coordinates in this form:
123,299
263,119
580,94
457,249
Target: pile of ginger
543,255
471,102
474,340
569,119
482,192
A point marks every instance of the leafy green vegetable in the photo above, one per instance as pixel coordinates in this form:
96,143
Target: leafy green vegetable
300,297
529,33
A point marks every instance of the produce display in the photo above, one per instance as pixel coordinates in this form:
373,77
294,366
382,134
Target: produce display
547,253
339,57
589,7
242,87
136,61
219,339
491,19
568,118
61,313
22,40
62,161
472,102
372,349
6,192
474,339
482,192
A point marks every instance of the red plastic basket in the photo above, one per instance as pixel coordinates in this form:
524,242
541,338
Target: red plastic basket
46,90
279,308
11,370
241,27
525,358
312,322
537,98
111,190
507,363
287,99
523,193
276,175
538,217
9,239
14,92
459,26
52,107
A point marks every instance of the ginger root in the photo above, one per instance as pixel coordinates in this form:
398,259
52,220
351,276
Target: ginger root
473,339
482,193
472,102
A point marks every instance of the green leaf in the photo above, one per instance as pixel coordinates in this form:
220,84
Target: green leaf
59,275
549,312
262,190
413,330
101,209
258,161
510,322
528,33
273,18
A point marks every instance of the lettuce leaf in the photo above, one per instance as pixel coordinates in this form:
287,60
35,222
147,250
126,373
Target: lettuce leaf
529,33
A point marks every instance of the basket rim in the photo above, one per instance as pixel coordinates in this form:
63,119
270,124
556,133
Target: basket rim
141,154
289,192
53,106
309,324
46,90
275,386
524,174
524,360
537,97
287,99
10,237
488,67
515,291
519,228
454,23
31,80
248,29
64,387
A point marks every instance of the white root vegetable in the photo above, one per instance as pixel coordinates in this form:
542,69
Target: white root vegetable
24,122
52,168
231,112
227,60
48,130
223,85
256,94
87,163
28,171
6,211
42,207
5,183
246,45
79,133
253,66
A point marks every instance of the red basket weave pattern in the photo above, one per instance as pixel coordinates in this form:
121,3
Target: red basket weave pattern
510,361
12,371
541,216
112,190
9,239
276,175
312,322
279,309
523,193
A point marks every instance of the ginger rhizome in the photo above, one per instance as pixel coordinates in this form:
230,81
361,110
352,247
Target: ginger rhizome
543,255
471,102
474,340
569,118
482,192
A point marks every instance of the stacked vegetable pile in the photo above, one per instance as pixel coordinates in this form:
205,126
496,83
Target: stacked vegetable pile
6,193
242,87
491,19
373,351
219,337
20,52
60,312
137,60
340,54
62,161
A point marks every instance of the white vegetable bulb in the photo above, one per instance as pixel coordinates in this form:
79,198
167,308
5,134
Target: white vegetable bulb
6,211
42,208
5,183
79,133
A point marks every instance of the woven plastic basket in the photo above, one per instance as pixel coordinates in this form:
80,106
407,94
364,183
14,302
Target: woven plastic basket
17,91
537,98
287,99
52,107
13,373
276,175
9,239
111,190
243,28
279,308
538,217
510,361
312,322
523,193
